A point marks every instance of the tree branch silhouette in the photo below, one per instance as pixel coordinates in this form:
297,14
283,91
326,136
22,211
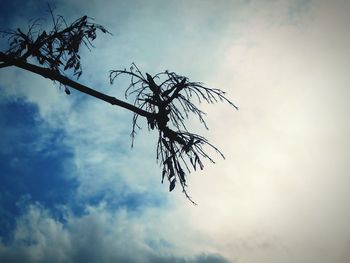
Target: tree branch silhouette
55,76
166,99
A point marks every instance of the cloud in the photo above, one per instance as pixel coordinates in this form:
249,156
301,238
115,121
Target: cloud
286,162
99,235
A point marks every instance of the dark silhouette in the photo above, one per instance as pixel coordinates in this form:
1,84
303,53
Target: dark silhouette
165,100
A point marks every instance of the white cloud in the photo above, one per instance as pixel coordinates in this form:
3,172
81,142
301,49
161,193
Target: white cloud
287,147
99,235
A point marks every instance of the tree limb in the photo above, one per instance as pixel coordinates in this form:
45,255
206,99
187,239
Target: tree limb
5,64
53,75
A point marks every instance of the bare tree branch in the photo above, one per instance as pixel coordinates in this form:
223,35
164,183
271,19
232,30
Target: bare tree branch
54,75
171,103
166,99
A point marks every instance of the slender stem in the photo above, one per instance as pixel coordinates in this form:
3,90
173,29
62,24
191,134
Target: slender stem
53,75
5,64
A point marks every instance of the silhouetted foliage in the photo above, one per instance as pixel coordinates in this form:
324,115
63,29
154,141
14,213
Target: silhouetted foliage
171,102
57,49
166,99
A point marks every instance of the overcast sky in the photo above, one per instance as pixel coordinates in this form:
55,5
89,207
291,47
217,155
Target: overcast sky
72,189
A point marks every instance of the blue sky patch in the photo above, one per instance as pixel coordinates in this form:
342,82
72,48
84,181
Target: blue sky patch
33,162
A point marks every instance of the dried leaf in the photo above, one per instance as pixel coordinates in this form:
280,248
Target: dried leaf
163,174
172,185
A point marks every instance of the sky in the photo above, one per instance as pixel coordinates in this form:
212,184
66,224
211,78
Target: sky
73,190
